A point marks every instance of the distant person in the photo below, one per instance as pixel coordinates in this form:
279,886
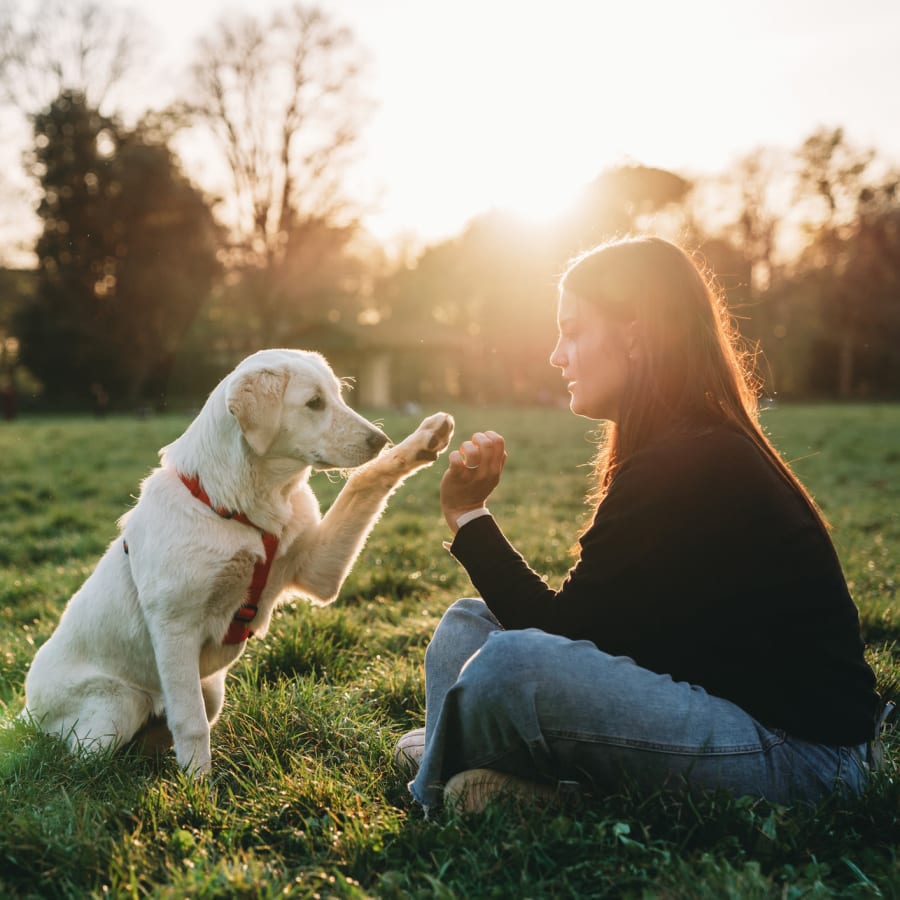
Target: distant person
705,637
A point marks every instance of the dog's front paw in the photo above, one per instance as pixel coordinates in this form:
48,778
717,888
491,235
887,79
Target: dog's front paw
193,755
433,436
198,768
420,449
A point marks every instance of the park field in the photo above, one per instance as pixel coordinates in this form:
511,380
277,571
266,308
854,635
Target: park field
304,800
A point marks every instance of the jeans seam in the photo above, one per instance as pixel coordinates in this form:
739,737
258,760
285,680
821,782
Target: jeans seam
673,749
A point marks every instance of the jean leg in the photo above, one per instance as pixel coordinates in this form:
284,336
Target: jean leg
462,631
542,706
460,634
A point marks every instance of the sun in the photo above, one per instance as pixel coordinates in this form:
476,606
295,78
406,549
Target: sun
543,199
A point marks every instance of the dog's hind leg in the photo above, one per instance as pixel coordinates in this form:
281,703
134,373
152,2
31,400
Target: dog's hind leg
98,713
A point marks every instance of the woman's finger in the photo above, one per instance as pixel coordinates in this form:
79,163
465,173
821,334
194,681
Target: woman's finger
491,447
455,460
471,454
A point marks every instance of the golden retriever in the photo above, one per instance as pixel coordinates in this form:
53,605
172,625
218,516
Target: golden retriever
222,528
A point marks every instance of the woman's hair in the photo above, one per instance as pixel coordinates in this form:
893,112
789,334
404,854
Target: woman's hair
689,367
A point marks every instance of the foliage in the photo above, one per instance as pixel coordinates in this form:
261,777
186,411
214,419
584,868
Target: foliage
304,800
493,288
126,257
15,289
852,260
619,199
804,240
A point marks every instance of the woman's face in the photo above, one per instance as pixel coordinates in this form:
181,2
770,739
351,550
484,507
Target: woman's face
593,354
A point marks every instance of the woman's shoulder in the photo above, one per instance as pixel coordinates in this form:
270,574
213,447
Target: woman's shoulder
700,446
698,461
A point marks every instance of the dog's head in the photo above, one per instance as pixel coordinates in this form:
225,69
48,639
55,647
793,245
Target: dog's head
288,405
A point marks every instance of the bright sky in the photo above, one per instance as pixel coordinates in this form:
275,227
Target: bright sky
519,103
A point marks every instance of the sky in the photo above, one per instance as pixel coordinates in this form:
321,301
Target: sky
517,104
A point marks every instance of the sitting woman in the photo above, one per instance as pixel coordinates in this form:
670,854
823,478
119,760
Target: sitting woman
705,637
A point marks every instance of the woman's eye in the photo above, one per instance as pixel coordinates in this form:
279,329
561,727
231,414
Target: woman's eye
316,403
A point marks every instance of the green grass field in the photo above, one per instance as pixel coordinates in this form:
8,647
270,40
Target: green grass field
304,800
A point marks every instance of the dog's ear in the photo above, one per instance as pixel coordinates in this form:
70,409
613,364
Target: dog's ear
254,398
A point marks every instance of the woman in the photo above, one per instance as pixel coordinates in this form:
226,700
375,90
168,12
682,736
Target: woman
705,636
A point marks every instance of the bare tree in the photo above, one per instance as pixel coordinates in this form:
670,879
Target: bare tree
84,46
757,228
281,100
47,47
834,175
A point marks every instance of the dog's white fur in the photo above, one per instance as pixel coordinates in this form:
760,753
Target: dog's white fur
143,636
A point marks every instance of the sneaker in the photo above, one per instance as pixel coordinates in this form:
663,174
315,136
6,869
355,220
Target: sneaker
409,751
472,790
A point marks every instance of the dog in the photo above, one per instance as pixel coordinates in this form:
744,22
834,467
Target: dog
221,530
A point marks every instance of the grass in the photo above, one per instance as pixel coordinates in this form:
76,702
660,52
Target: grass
304,800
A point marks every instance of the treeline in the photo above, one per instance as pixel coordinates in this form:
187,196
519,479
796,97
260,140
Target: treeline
146,287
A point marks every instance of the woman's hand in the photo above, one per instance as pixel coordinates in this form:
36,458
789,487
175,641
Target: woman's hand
472,473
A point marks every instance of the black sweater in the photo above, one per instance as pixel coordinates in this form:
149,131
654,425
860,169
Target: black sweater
704,564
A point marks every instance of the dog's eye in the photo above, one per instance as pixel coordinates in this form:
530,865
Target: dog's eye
317,402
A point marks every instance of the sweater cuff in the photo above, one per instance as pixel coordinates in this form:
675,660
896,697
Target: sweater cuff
467,517
464,519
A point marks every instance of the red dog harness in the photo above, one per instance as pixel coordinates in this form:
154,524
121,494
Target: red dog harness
239,629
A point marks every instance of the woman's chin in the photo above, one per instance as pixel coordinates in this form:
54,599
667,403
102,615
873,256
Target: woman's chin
579,409
586,411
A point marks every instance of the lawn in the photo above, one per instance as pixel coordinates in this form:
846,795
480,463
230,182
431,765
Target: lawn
304,800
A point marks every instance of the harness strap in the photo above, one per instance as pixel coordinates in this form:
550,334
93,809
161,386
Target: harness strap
239,628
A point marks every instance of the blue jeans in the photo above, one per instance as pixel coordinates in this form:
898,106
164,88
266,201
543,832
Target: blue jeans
551,709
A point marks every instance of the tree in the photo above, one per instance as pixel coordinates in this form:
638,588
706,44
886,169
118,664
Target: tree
16,287
864,299
126,257
834,180
80,46
46,47
281,101
757,187
491,291
614,202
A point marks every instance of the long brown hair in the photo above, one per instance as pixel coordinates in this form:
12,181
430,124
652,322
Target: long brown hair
690,368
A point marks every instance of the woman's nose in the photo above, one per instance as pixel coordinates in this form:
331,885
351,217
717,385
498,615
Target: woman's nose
557,357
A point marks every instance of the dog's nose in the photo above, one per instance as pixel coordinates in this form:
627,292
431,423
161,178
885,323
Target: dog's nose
376,440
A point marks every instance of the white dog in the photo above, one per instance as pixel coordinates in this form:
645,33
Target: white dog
224,526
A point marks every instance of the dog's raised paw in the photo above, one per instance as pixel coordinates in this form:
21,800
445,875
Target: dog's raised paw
441,437
437,429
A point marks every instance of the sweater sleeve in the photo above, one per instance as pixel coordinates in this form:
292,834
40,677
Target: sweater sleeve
618,593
